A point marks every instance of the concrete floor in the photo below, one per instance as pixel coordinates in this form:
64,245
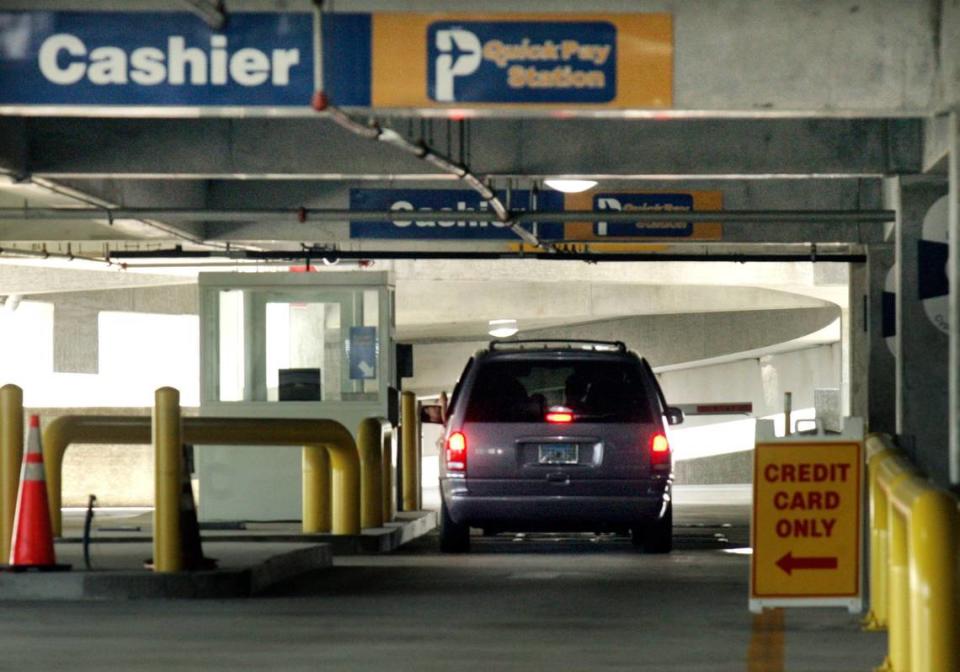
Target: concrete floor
565,603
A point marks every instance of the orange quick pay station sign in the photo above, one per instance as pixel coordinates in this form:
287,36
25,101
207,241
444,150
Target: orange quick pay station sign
807,519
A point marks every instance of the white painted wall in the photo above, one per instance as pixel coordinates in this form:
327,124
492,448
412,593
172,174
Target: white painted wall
138,352
762,381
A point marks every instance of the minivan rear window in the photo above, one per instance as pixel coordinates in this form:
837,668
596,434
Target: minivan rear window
523,391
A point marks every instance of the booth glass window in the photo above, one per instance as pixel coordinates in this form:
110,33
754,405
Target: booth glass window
300,344
232,359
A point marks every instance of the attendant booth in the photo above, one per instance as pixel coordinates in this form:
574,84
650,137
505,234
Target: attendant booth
287,345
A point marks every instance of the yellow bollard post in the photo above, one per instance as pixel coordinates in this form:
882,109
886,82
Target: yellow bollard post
345,470
898,595
11,454
934,582
168,453
386,471
419,445
410,450
369,445
316,490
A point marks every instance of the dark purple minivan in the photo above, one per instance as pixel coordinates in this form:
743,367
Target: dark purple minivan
557,435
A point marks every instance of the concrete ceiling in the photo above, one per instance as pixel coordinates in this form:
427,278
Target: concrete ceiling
781,106
765,95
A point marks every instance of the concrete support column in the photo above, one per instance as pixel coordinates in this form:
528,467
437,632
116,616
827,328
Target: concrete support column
76,338
854,379
922,352
881,413
953,263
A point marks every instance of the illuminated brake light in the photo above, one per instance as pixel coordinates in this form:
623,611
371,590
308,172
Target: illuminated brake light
659,449
457,452
559,414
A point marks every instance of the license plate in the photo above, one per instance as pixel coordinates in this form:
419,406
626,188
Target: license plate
559,453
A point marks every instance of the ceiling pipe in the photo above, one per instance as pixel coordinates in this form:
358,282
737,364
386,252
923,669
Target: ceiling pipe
319,254
335,215
374,131
19,253
12,302
211,11
107,214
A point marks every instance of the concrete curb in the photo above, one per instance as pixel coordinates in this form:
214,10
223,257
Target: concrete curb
390,537
132,585
316,553
287,566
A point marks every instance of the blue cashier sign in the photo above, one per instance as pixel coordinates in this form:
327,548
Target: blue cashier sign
363,353
522,61
155,59
405,202
643,203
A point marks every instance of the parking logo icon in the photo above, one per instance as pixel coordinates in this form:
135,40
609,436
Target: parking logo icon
458,55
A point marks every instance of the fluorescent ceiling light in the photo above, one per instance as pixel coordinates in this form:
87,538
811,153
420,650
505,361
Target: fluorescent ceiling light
570,186
502,328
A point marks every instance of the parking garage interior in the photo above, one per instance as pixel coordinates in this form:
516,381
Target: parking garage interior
221,200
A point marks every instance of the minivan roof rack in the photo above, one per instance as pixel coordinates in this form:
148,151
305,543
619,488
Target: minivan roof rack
571,343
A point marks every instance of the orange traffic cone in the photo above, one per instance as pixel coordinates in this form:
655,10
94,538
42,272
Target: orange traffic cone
32,543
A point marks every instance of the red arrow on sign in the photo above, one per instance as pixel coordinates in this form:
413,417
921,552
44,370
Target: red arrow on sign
788,563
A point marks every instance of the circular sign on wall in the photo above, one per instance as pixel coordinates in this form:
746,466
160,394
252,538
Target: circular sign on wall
888,310
933,253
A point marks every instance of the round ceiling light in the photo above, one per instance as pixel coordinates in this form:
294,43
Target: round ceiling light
570,186
502,328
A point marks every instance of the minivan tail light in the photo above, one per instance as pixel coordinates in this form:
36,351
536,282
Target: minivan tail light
457,452
659,449
559,416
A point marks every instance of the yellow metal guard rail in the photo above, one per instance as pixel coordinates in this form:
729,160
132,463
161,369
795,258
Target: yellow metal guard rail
316,437
914,562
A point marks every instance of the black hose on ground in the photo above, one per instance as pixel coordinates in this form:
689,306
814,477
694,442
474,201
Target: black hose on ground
87,528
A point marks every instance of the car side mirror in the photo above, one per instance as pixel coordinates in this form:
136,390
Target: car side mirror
674,415
432,414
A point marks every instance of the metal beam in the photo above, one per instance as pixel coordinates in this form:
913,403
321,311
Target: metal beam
34,280
92,200
332,255
733,232
304,225
313,214
91,148
247,197
55,231
743,194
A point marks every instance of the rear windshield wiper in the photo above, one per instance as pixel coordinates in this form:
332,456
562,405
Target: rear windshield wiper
596,416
